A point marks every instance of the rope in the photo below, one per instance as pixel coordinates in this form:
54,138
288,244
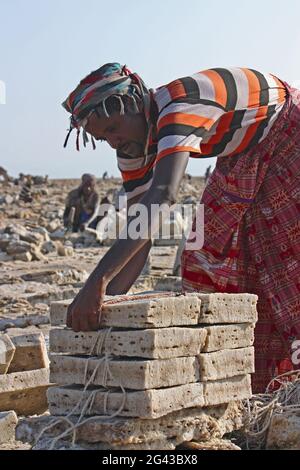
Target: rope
261,408
87,402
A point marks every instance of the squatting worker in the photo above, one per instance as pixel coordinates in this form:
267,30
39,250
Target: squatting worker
251,122
85,202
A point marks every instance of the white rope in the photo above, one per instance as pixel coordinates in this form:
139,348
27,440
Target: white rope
261,409
87,402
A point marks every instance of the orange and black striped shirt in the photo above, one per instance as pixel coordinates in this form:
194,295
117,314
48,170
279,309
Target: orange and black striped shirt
214,113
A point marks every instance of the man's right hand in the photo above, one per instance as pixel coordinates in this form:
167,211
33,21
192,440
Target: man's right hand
84,312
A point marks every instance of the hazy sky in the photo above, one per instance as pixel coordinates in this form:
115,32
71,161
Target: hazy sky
47,46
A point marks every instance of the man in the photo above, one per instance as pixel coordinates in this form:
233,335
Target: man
250,121
82,205
26,193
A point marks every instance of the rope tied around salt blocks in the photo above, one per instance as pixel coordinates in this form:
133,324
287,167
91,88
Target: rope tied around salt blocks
86,403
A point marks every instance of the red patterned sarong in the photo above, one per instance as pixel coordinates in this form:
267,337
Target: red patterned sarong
252,239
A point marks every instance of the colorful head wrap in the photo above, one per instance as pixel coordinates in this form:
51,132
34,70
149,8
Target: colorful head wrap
93,91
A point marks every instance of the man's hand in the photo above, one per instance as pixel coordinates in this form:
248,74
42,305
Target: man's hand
83,313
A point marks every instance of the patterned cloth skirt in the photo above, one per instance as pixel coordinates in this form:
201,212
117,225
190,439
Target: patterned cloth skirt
252,240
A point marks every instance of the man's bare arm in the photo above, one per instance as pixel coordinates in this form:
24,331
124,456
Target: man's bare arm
129,274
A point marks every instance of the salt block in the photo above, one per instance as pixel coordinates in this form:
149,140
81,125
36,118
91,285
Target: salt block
58,312
8,423
224,391
160,343
284,431
146,404
138,313
221,337
201,424
228,308
30,354
27,256
24,392
137,374
227,363
7,351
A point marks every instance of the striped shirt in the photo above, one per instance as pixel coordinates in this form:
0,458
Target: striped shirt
214,113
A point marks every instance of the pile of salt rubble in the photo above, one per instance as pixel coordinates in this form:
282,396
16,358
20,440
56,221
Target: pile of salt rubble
163,370
24,380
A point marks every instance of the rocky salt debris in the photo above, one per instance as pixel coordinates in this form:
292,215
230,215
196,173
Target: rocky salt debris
54,225
26,257
30,353
25,392
284,432
58,275
167,284
65,250
7,351
8,423
8,199
25,304
22,244
48,247
213,444
33,243
58,234
25,378
15,297
201,424
19,321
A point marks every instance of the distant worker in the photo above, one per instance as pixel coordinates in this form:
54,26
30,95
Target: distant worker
82,205
25,193
105,176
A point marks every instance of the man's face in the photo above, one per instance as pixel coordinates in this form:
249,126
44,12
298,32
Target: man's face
126,133
88,187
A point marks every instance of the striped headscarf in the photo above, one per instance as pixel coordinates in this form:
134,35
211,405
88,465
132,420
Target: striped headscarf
109,80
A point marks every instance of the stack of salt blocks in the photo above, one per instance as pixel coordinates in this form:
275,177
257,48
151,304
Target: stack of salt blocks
184,361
